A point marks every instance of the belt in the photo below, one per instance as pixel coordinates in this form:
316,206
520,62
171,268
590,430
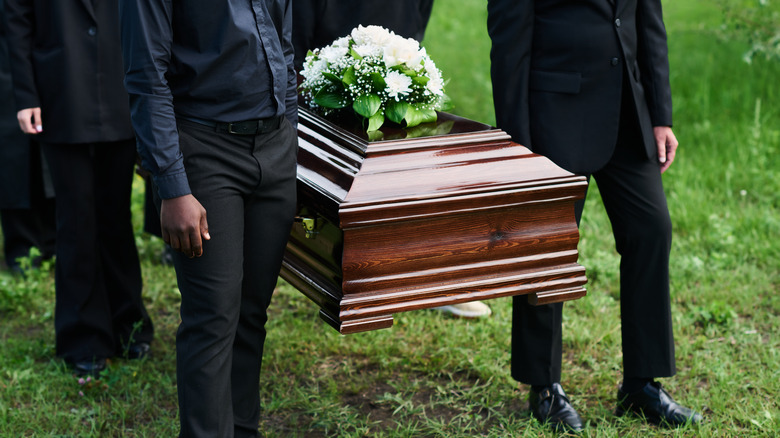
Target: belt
246,127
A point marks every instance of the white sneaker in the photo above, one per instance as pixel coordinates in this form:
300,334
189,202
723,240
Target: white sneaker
474,309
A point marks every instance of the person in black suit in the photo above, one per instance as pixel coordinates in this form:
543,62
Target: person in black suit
586,83
214,103
26,193
67,72
317,23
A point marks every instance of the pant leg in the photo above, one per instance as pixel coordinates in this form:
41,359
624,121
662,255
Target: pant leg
268,218
82,319
537,336
222,292
34,226
633,195
24,228
116,243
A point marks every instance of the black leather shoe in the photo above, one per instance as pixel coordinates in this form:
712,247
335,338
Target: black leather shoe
552,407
138,350
89,367
656,406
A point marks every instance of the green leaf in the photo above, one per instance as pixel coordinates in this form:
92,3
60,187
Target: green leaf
422,80
331,77
349,76
354,54
415,116
445,103
376,121
396,111
367,105
379,81
429,115
329,99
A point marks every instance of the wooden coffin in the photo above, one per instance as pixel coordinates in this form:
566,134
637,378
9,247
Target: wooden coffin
458,213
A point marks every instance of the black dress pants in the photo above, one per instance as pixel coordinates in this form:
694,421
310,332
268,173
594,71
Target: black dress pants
31,226
632,191
98,310
247,184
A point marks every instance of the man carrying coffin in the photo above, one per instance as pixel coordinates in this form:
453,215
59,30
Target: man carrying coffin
586,83
213,101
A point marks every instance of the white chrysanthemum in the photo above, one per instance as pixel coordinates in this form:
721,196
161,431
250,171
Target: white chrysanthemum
341,42
332,54
366,50
397,84
435,86
401,51
417,59
431,70
376,35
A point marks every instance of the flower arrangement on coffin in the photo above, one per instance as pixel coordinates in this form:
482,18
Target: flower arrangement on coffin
380,75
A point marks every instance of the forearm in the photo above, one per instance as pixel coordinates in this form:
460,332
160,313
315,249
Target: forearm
146,44
20,28
291,98
653,60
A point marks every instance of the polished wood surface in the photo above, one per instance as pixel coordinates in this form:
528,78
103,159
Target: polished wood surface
410,219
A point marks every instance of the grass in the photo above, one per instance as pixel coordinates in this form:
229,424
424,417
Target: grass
432,376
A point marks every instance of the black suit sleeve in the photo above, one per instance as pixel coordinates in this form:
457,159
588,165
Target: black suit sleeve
510,26
20,25
653,60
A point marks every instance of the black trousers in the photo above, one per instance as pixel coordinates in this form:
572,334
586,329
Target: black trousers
33,226
632,191
25,228
98,309
247,186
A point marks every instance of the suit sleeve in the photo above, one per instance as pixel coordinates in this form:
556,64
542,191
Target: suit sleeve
510,26
20,27
653,60
291,98
146,33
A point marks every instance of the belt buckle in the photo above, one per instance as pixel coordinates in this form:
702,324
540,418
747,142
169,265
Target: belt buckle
240,128
230,128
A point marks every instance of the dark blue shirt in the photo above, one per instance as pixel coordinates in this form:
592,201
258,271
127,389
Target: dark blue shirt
214,60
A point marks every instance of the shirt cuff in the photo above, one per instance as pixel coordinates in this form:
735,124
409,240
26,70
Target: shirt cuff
173,185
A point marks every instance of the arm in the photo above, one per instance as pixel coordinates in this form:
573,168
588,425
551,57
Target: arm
653,60
510,26
291,98
20,23
146,32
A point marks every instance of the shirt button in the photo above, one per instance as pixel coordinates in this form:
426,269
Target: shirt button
614,61
617,22
92,31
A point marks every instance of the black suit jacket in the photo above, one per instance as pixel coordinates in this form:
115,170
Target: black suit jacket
66,59
558,68
317,23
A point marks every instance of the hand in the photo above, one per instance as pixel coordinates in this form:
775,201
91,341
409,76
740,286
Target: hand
183,223
30,120
667,146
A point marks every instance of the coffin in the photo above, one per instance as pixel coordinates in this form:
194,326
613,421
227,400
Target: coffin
443,213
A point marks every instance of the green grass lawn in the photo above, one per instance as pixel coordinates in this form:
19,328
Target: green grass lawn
433,376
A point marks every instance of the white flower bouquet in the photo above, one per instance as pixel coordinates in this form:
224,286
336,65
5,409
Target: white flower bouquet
381,75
